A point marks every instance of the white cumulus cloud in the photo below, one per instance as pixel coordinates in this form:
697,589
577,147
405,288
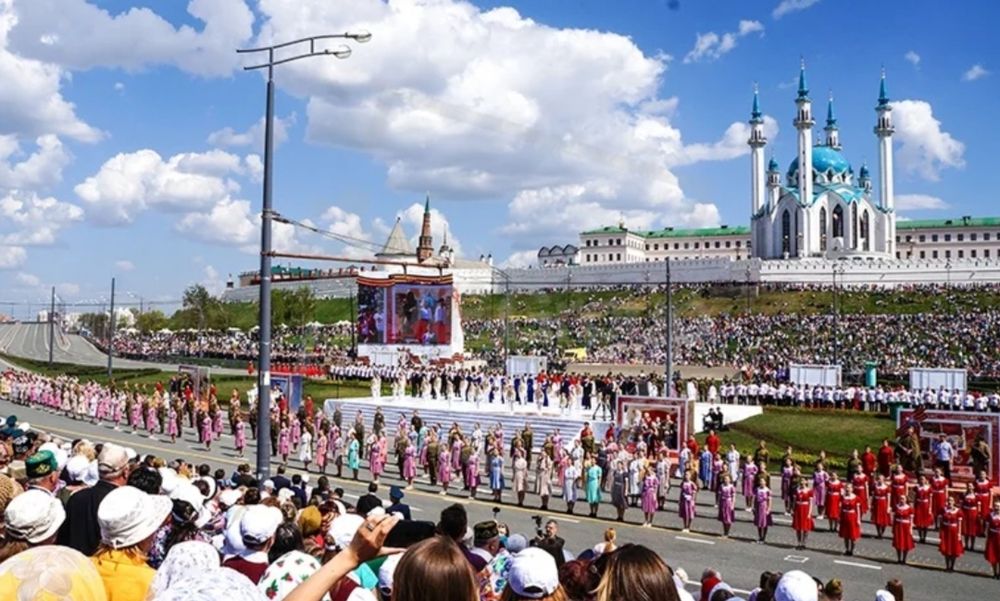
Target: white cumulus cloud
124,265
130,183
78,35
27,219
42,169
913,58
253,137
975,72
711,46
924,148
12,257
790,6
918,202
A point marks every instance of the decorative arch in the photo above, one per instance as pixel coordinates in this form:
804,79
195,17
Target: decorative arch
786,232
822,228
854,225
838,221
866,238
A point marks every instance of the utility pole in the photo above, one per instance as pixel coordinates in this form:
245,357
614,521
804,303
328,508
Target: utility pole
506,322
52,325
669,310
111,331
354,328
264,348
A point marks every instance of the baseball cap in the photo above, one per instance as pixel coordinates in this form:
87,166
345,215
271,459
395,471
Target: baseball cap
396,492
112,459
258,523
533,574
33,516
796,586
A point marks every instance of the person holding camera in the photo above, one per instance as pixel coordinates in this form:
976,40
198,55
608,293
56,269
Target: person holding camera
548,538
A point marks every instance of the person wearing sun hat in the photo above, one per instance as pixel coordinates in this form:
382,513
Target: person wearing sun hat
128,520
533,575
30,520
257,527
81,530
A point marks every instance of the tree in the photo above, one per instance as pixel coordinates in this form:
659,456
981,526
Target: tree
201,309
150,321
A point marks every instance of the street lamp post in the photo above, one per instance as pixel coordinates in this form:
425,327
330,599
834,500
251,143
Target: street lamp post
264,343
669,310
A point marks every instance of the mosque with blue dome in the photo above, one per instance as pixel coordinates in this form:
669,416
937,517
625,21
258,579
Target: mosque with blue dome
820,207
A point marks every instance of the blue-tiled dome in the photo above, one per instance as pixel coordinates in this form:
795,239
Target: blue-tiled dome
824,159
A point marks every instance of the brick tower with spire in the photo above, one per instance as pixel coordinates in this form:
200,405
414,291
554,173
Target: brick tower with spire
425,244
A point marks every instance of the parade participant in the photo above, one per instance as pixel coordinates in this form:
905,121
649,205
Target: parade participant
820,478
939,494
923,517
950,534
787,491
725,499
861,482
619,487
992,550
635,469
353,453
898,485
970,517
880,506
663,475
984,495
375,464
802,521
172,423
650,485
593,475
705,468
543,478
240,440
337,448
519,470
471,473
409,463
444,467
284,440
733,462
496,475
570,475
834,489
885,458
206,432
762,509
321,450
686,502
305,446
749,476
850,519
902,529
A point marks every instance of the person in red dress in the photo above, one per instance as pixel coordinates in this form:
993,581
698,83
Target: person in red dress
861,481
834,490
970,517
868,463
902,529
898,485
984,494
923,516
939,494
950,532
802,521
880,506
850,519
992,551
885,458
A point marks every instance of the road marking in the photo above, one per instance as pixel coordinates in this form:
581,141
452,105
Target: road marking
866,566
695,540
796,558
560,518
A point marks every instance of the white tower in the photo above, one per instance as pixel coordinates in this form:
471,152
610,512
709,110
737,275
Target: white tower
884,131
832,133
757,142
803,123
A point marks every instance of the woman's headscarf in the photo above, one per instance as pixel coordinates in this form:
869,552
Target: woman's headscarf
183,560
211,585
50,573
286,573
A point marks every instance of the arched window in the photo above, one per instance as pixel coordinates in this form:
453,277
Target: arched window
822,228
864,230
838,222
854,226
786,232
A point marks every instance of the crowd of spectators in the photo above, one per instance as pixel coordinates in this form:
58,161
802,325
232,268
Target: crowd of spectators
90,521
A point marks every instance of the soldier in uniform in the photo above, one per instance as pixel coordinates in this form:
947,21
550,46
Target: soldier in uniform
528,438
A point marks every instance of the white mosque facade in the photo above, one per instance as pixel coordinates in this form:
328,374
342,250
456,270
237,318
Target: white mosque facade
821,208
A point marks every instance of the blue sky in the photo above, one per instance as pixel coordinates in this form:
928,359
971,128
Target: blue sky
130,136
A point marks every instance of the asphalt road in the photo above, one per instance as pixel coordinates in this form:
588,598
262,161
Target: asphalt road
740,560
31,341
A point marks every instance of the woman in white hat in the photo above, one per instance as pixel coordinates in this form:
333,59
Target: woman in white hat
30,520
129,519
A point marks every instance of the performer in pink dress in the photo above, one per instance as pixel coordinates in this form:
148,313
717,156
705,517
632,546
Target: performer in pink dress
409,464
750,470
650,485
472,474
284,445
444,468
172,423
241,436
762,509
725,498
321,451
686,505
375,464
152,422
206,431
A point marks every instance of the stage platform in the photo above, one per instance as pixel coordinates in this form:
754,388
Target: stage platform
466,415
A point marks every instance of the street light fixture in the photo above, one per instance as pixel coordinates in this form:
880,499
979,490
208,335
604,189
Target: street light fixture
264,342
